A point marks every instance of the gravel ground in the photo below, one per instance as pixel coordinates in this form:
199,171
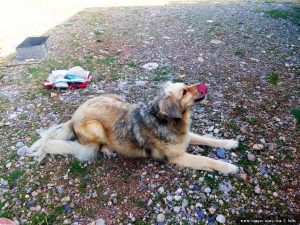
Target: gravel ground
251,63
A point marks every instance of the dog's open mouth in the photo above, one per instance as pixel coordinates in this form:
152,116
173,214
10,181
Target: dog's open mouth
199,99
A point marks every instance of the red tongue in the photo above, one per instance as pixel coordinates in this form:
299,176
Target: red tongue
202,88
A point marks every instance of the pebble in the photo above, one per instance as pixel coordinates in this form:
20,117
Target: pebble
177,197
257,189
30,203
201,215
149,202
221,219
210,21
251,157
185,203
8,165
258,146
225,186
216,130
169,198
100,222
254,59
160,218
161,190
67,208
177,209
94,195
66,199
66,221
22,151
221,153
200,59
216,42
263,170
275,194
207,190
196,187
212,210
178,191
34,194
150,66
140,83
59,189
20,144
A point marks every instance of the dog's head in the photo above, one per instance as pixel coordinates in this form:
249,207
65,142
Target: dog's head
178,97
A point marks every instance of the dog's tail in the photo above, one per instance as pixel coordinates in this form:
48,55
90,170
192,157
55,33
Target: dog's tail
58,139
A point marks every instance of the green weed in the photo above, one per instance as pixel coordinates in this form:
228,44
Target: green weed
292,14
273,78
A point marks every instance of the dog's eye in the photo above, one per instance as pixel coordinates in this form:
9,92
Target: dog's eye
184,92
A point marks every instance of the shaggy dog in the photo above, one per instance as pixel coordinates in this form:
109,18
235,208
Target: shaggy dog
157,129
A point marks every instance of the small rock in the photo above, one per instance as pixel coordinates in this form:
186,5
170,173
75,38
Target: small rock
263,170
53,94
94,195
201,215
221,153
196,187
257,189
200,59
177,197
177,209
150,66
169,198
178,191
115,200
140,83
66,221
149,202
66,199
59,189
254,59
34,194
185,203
221,219
207,190
225,186
100,222
22,151
161,190
210,21
216,42
190,30
160,218
30,203
258,146
212,210
216,130
20,144
8,165
251,157
67,208
275,194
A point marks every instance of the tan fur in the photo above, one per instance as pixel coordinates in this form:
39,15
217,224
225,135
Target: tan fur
108,123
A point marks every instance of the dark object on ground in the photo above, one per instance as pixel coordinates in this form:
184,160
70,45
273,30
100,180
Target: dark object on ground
32,48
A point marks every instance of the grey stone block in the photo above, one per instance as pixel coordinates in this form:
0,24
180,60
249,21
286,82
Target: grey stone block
33,48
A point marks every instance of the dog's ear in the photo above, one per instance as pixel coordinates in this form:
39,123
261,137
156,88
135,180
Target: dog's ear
170,107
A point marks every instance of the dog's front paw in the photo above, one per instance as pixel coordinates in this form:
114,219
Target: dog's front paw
231,169
231,144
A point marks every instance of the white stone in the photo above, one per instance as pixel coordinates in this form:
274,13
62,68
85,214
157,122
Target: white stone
216,42
100,222
150,66
257,189
258,146
177,209
177,197
160,218
161,190
210,21
178,191
221,219
66,199
200,59
207,190
212,210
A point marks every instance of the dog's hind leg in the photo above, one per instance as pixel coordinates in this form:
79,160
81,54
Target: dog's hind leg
203,163
90,131
196,139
